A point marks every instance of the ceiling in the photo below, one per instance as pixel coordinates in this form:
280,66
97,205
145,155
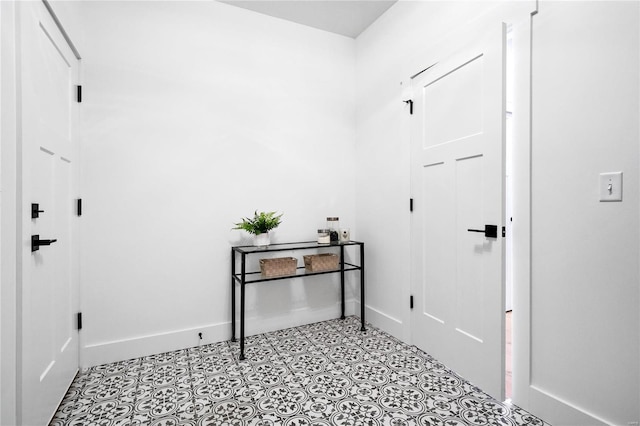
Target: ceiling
345,17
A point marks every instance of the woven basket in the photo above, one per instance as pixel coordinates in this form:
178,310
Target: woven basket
321,262
278,266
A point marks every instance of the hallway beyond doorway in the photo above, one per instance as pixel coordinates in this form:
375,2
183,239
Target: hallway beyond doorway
508,339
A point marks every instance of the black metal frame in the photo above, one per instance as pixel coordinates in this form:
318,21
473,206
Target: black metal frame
243,278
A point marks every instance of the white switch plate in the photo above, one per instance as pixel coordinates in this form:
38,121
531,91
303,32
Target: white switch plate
611,186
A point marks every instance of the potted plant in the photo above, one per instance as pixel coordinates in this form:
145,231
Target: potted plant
260,225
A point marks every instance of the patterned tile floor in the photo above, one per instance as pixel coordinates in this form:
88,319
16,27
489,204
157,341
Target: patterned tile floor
328,373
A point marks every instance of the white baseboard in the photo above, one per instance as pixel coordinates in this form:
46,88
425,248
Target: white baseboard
380,320
135,347
555,410
295,318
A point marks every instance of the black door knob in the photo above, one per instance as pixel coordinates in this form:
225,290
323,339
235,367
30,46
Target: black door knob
489,231
36,242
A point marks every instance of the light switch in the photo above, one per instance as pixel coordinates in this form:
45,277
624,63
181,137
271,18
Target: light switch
611,186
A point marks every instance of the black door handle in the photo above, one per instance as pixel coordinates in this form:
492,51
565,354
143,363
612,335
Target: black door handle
36,242
489,231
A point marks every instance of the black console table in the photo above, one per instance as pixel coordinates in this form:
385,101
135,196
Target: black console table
243,277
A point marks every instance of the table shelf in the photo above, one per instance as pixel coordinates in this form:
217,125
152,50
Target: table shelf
256,277
304,245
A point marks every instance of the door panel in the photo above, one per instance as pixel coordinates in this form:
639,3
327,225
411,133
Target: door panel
49,278
63,299
467,80
457,168
436,295
469,263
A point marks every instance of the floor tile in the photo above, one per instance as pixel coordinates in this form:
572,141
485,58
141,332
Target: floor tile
326,373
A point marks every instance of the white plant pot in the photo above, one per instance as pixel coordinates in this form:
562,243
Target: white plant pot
262,240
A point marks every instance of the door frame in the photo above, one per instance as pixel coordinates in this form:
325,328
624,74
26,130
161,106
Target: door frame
8,215
521,210
519,13
11,206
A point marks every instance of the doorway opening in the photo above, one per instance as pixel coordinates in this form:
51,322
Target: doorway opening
508,302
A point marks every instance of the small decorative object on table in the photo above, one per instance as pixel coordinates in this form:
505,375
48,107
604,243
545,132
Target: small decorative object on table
278,266
345,235
321,262
323,236
260,225
333,223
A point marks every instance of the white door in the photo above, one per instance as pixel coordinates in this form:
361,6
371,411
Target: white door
49,277
457,183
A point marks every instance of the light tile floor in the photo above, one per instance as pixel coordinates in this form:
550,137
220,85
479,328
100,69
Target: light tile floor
328,373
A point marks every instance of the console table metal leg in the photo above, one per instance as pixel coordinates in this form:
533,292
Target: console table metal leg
342,282
362,286
242,285
233,295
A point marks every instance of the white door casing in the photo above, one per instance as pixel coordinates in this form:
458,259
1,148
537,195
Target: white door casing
48,278
457,173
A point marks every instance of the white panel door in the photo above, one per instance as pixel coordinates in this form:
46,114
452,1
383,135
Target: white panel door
49,277
457,183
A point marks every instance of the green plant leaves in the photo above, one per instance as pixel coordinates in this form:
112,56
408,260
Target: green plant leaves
260,223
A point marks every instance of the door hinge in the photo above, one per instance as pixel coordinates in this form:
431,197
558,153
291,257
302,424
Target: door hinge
410,102
410,204
79,206
504,231
79,321
35,210
411,302
79,93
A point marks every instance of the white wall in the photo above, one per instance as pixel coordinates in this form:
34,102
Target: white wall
585,254
585,336
194,115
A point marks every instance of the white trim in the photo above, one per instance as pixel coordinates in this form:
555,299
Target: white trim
564,412
123,349
292,318
8,222
61,29
139,346
521,205
380,320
